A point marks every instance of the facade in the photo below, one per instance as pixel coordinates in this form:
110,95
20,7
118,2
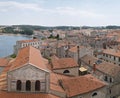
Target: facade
66,66
24,43
73,52
107,72
26,74
29,75
112,56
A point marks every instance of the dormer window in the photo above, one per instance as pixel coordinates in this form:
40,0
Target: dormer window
66,71
94,94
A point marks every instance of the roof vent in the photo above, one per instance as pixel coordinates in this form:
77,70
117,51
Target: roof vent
98,62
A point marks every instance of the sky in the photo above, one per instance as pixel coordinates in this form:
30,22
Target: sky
60,12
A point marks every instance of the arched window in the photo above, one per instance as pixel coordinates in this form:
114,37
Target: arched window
110,79
94,94
28,85
19,85
66,71
37,85
106,78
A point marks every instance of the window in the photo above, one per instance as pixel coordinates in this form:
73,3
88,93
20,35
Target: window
110,80
110,56
110,91
66,71
119,59
106,78
94,94
114,57
106,55
80,97
103,54
37,85
19,85
28,85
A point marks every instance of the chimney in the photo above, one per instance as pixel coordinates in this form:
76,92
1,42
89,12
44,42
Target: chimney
78,50
89,62
94,67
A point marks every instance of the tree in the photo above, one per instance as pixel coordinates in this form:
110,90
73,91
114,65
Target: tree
57,37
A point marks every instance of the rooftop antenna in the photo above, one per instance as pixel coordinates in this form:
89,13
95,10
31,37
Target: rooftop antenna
78,50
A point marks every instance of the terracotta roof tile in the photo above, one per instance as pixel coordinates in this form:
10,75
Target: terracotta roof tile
54,82
29,55
60,63
74,49
106,67
112,52
3,62
26,41
80,85
4,94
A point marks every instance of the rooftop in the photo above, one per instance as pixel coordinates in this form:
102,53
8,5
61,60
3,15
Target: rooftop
114,52
3,62
29,55
4,94
60,63
27,41
80,85
106,67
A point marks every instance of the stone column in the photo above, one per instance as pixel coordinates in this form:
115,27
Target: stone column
33,86
24,86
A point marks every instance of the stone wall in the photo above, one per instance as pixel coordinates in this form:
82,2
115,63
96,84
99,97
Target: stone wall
31,73
72,71
101,93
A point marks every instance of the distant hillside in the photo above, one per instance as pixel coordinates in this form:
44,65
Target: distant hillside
28,29
33,27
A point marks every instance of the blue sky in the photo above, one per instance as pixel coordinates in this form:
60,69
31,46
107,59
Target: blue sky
60,12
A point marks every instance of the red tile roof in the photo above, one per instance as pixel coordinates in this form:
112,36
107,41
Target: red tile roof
4,94
75,49
3,62
112,52
80,85
60,63
27,41
54,82
105,67
29,55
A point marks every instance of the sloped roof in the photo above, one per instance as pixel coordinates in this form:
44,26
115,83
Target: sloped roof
27,41
113,52
29,55
54,82
75,49
60,63
3,62
80,85
4,94
105,67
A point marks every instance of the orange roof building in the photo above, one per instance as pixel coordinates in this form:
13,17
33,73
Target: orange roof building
28,76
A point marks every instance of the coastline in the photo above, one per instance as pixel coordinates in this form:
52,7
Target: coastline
7,41
11,34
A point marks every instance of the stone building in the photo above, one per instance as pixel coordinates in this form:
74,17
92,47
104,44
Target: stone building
28,72
30,75
67,66
24,43
112,56
105,71
73,52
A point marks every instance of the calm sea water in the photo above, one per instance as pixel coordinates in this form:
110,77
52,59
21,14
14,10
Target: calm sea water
7,42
